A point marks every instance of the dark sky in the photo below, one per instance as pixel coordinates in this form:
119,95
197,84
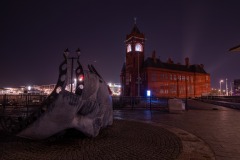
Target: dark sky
34,34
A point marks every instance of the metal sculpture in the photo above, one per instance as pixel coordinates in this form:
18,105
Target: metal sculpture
88,109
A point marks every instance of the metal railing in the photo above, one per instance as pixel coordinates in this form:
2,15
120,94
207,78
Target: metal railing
20,105
18,111
21,99
226,101
155,103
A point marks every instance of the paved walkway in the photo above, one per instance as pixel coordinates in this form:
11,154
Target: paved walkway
124,140
218,126
203,132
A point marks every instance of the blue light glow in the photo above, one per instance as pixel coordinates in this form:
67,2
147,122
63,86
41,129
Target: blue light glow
148,93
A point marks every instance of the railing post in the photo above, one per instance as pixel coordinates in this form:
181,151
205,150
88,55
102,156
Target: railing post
26,99
150,103
4,102
132,101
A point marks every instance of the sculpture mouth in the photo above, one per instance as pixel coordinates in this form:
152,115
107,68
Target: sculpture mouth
87,108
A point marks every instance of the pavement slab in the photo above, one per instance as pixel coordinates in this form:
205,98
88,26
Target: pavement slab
123,140
202,132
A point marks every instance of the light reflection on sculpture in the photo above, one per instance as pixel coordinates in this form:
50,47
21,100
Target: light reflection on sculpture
88,109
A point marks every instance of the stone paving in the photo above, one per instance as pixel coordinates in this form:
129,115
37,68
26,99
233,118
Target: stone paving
123,140
203,132
218,126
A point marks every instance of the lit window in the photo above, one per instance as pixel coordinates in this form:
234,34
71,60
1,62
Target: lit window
129,48
138,47
154,77
183,78
179,77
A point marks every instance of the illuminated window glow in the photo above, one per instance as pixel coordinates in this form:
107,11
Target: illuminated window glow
129,48
138,47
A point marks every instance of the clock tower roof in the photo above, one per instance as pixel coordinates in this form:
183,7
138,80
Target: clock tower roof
135,33
135,29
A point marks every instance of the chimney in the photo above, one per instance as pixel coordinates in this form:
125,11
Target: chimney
170,61
154,56
187,61
201,65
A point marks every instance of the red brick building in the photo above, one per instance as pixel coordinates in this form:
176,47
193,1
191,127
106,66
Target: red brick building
163,79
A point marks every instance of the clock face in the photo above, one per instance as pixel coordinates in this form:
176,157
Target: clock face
129,48
138,47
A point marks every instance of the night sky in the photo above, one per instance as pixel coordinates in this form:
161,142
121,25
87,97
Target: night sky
34,34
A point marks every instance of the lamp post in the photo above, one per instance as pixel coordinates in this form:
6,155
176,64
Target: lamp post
231,84
66,52
226,88
221,81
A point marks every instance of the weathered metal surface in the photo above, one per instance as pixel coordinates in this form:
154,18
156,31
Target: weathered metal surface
88,109
80,76
87,113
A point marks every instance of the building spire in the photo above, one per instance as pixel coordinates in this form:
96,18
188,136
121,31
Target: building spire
135,28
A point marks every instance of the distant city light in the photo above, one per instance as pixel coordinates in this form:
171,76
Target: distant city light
117,85
115,88
47,89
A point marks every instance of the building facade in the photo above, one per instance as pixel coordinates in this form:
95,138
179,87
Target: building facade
163,79
236,87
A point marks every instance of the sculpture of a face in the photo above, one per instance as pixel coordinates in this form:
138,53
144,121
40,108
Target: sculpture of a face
88,110
86,113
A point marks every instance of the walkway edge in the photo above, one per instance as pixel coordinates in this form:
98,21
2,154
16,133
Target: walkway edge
193,147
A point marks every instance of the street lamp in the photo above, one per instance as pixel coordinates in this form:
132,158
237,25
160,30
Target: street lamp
231,84
226,88
221,81
66,52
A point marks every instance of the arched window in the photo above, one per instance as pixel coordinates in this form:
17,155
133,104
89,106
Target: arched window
138,47
129,48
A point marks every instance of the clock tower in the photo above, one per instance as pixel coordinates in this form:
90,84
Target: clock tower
131,73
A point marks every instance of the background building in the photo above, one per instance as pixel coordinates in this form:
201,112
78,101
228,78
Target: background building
236,87
236,82
163,79
115,88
